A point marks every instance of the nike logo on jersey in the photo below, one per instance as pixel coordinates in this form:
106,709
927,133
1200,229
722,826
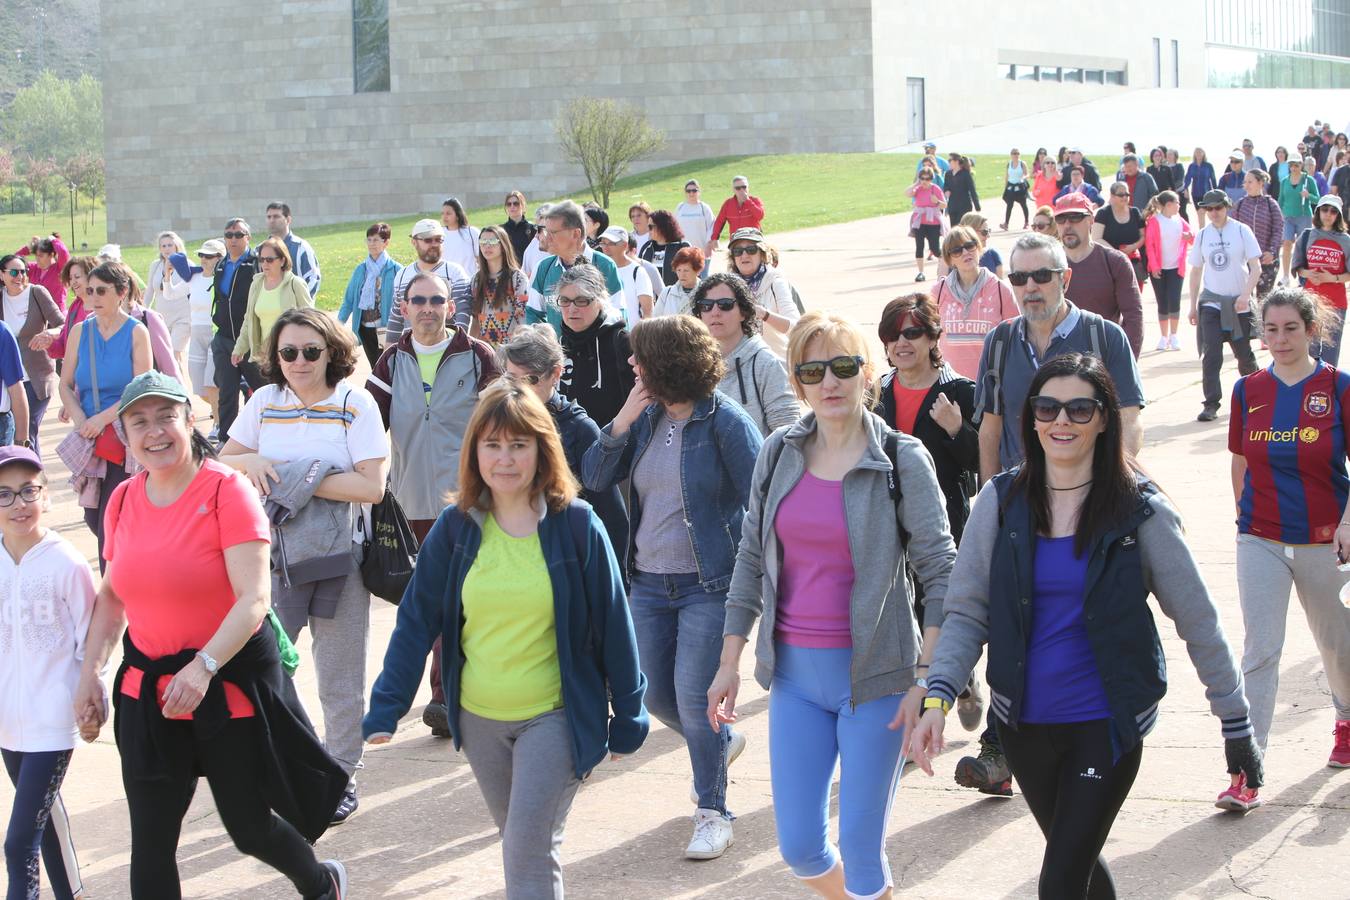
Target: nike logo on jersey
1252,409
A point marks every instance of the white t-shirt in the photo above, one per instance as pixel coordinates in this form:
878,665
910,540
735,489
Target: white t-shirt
1224,254
16,309
343,429
199,299
636,283
641,239
697,221
533,256
1169,233
461,247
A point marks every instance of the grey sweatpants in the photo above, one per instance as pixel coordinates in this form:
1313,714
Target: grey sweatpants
339,649
1266,570
526,771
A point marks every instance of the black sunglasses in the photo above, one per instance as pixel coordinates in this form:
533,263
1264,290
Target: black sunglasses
236,234
967,246
724,304
268,259
16,273
813,372
912,333
745,250
691,190
423,300
1080,409
1040,276
291,354
1071,217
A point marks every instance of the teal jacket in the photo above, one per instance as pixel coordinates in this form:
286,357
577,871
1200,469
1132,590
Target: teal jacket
351,300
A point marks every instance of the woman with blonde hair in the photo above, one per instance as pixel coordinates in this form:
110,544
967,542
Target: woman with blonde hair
276,290
541,669
838,647
166,292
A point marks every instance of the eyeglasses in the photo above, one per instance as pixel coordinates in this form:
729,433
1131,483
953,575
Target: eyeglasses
579,302
984,231
512,202
1040,276
268,259
101,290
311,353
912,333
431,240
1070,217
745,250
236,235
489,242
29,493
424,299
208,256
691,190
1120,193
813,372
725,304
967,247
16,273
1080,409
1042,226
740,187
528,378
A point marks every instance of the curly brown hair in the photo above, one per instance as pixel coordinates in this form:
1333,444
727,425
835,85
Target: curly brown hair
339,340
680,360
88,263
667,225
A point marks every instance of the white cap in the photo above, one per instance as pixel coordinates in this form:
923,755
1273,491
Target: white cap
111,252
425,226
1330,200
616,234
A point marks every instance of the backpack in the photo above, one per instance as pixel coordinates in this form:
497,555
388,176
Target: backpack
1001,337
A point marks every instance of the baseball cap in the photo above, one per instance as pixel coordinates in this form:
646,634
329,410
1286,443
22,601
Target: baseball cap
1216,197
111,252
424,227
151,384
1330,200
748,234
212,247
616,234
19,454
1073,203
929,145
1235,156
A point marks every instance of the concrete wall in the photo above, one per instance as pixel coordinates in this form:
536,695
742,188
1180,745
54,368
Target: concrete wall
259,104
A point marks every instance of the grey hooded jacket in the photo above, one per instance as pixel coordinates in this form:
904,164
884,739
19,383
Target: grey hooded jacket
886,637
756,380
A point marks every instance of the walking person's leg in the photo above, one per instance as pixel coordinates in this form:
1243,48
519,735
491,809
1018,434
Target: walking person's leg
156,808
1241,343
1211,357
339,646
543,784
1319,583
1264,577
654,623
37,780
227,383
1328,346
37,409
698,650
114,475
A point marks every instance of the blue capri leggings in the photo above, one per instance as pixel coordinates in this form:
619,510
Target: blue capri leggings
810,727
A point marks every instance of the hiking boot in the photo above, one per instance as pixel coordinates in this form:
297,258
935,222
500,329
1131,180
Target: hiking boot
988,773
436,717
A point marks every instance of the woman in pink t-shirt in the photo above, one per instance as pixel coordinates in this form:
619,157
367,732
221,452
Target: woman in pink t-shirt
187,547
925,222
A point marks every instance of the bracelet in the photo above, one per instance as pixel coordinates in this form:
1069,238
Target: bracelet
925,665
937,703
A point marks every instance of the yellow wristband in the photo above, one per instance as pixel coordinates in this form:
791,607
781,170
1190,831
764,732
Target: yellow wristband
937,703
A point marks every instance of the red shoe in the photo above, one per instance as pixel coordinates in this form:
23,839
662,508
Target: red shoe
1239,797
1340,753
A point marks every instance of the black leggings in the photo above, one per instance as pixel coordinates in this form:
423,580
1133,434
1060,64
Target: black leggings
93,518
1167,291
370,342
1020,198
1074,789
231,761
929,233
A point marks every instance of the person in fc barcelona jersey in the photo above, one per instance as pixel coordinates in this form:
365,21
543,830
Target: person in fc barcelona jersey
1287,434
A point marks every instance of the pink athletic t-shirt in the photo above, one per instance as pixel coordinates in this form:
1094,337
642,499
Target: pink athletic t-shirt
817,576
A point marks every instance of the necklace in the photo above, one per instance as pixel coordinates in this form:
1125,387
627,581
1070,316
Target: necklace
1074,488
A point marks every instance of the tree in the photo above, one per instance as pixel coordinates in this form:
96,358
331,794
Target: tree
604,137
36,174
55,119
7,174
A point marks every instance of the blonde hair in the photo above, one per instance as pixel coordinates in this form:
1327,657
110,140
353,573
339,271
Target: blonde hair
836,332
976,221
173,236
508,407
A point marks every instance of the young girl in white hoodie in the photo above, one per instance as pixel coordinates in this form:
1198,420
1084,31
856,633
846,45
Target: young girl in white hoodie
46,600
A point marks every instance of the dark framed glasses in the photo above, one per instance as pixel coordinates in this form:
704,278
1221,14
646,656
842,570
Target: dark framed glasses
424,299
291,354
745,250
1040,276
1080,409
579,302
912,333
236,235
29,492
813,371
268,259
726,304
1071,217
691,190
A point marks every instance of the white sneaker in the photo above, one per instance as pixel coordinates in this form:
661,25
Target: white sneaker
1176,342
734,749
712,835
1162,343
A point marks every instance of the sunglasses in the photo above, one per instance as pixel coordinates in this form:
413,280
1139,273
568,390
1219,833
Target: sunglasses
1040,276
912,333
430,240
1070,217
1042,226
29,492
489,242
691,190
268,259
1080,409
101,290
744,251
529,378
740,187
424,299
578,302
291,354
16,273
725,305
1120,193
813,372
236,235
512,202
966,247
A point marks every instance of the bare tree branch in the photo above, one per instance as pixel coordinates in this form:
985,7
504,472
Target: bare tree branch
605,137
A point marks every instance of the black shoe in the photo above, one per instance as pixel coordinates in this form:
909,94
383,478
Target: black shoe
345,809
920,277
1208,414
988,773
436,717
338,873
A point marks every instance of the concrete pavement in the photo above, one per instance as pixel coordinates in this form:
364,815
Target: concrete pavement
422,829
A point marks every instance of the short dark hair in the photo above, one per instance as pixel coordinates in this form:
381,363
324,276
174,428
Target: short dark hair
380,228
745,300
680,361
337,338
923,310
278,204
688,256
598,216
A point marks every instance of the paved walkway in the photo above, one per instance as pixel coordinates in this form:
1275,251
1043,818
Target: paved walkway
422,829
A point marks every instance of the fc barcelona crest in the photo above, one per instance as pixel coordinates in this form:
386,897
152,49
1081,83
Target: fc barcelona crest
1317,404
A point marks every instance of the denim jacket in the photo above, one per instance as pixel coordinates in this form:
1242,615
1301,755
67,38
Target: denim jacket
721,443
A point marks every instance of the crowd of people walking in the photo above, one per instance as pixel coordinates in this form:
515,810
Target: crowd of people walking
616,468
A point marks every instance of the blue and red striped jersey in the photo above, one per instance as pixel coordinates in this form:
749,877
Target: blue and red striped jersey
1293,438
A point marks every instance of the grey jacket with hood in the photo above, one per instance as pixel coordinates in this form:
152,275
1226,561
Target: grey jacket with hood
756,380
886,637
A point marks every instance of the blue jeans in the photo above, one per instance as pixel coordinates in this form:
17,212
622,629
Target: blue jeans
6,429
679,637
812,723
36,410
38,821
1328,348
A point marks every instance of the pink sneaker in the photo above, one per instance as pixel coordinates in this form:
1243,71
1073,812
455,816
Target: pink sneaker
1340,753
1238,798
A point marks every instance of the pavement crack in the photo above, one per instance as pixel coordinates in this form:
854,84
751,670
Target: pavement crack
1228,870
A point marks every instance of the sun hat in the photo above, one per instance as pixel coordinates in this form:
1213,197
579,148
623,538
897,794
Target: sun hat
1216,197
151,384
1330,200
212,247
748,234
425,226
112,252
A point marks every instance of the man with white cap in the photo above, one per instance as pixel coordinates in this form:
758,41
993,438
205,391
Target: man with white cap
427,239
638,293
201,364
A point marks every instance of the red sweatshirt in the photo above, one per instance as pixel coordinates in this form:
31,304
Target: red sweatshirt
737,216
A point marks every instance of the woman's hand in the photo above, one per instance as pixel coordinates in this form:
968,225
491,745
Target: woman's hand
924,740
235,358
93,425
259,469
947,414
41,341
382,737
1340,542
638,400
186,689
726,685
911,707
62,415
90,706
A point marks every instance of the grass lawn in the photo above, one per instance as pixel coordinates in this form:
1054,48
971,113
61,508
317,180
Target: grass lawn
799,191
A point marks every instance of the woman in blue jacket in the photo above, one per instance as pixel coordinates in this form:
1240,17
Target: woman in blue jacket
1056,565
689,452
370,292
540,664
1200,176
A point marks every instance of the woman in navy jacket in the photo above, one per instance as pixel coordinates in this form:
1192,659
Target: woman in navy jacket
540,664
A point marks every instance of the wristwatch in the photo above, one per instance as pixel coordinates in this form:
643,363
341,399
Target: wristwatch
211,665
921,683
28,443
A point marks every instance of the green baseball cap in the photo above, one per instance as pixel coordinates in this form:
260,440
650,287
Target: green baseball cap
151,384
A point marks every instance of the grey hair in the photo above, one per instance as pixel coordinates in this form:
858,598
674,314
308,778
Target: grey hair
1309,163
1121,184
238,221
542,210
568,213
1130,157
534,348
588,280
736,178
1031,242
434,279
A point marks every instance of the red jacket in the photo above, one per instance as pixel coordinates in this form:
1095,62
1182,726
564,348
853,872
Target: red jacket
737,216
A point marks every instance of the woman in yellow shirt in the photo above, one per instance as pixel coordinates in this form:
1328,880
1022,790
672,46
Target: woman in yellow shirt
278,290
